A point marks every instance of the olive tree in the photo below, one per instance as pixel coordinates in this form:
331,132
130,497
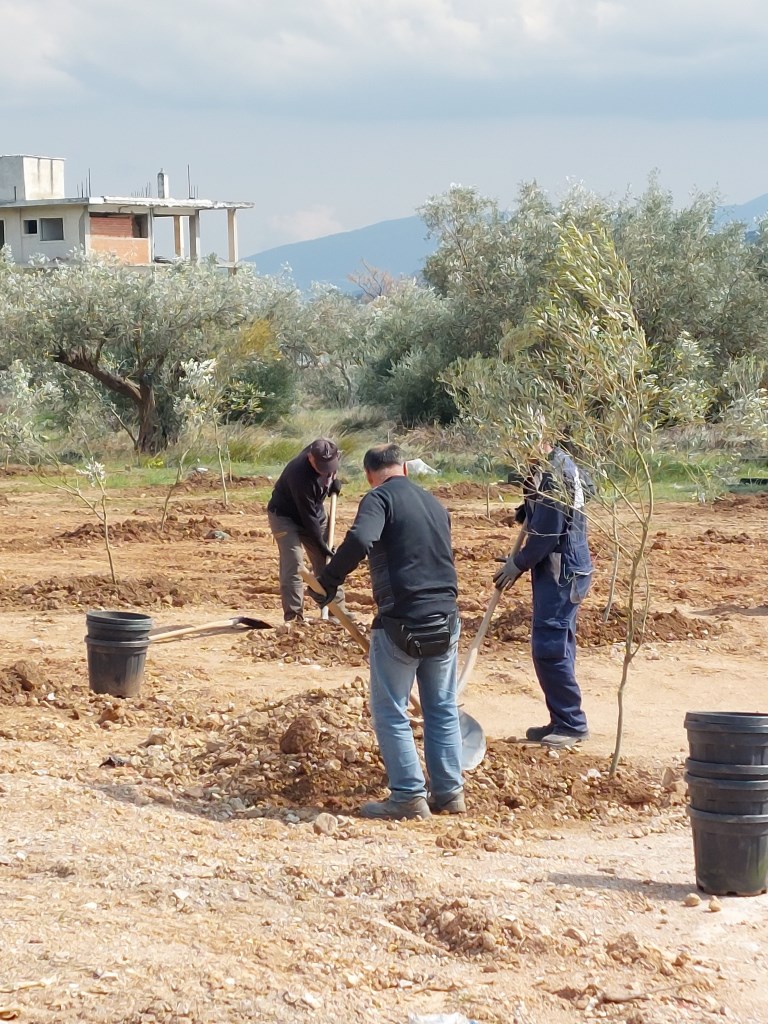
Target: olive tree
131,332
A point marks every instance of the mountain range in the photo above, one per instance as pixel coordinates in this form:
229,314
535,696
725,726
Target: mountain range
399,247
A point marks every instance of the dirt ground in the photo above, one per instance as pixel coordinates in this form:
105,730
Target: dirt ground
192,855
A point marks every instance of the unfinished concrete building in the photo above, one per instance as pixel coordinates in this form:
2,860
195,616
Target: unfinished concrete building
37,218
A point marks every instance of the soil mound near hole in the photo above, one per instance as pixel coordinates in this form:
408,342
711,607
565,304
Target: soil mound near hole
465,489
197,481
514,626
141,530
19,680
743,501
318,750
310,643
97,592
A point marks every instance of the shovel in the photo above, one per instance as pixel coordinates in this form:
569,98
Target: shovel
221,625
472,735
331,538
472,654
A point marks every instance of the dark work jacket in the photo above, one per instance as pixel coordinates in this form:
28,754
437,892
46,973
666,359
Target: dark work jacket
555,520
406,534
299,493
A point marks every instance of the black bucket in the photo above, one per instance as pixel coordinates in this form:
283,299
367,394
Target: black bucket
735,772
730,852
116,666
728,796
117,625
727,737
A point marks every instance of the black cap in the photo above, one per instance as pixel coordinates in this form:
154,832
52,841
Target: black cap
326,455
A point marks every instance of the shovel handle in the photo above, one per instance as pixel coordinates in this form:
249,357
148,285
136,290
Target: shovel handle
331,538
474,650
332,519
337,612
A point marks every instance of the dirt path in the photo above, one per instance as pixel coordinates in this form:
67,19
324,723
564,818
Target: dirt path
189,878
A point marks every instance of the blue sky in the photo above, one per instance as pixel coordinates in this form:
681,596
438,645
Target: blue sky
333,114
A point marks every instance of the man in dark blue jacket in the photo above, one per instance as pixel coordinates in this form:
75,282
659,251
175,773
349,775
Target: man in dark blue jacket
405,533
557,554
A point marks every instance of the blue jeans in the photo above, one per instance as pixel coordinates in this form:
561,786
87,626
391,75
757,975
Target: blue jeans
392,675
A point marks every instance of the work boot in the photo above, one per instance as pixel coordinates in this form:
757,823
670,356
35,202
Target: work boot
451,804
396,810
562,738
538,732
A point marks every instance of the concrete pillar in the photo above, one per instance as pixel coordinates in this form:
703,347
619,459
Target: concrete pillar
178,237
232,238
151,234
194,237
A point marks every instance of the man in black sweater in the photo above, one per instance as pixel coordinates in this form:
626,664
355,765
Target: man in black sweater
405,533
298,520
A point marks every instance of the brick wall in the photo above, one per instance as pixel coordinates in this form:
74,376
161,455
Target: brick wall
117,225
128,250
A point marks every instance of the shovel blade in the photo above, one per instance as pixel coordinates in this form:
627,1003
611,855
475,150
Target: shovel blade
473,744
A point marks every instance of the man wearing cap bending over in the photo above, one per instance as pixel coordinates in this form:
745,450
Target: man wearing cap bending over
298,520
406,534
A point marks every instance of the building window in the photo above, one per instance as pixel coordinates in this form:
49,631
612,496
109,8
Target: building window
30,227
52,229
2,233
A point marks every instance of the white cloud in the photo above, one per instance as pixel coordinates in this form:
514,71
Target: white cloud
303,224
274,52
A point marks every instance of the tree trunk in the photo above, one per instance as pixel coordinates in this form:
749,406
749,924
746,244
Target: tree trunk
151,439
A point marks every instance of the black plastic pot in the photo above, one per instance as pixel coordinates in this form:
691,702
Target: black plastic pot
730,852
728,796
117,625
736,772
728,737
116,667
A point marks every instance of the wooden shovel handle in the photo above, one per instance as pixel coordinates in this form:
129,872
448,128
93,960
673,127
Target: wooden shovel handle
332,519
331,538
474,650
338,612
352,629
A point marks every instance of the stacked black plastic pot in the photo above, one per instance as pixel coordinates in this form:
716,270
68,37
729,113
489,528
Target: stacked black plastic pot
727,777
117,645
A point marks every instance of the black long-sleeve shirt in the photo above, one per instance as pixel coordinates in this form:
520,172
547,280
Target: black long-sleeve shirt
299,493
406,534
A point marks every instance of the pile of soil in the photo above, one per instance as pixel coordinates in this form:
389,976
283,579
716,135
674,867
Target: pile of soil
313,642
137,530
21,682
317,750
514,626
197,481
716,537
742,501
96,591
465,489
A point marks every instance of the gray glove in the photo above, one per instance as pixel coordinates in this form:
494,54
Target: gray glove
508,573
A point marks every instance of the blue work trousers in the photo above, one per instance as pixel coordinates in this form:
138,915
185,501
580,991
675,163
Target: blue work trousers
553,642
392,676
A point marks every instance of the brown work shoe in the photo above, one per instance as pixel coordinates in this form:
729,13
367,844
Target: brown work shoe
396,810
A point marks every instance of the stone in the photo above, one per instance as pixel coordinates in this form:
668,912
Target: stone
714,905
325,824
692,900
301,736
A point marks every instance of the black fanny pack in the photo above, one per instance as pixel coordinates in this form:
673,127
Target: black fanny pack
425,638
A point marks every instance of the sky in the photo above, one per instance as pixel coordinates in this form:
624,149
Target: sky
333,114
